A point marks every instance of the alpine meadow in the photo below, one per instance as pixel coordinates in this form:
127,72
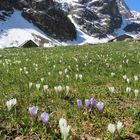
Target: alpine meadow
87,92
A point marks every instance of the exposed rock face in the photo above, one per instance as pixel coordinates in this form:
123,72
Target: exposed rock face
97,18
47,17
5,5
132,27
6,9
124,10
54,22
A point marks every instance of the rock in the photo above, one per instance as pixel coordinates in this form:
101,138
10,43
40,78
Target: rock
128,40
137,40
97,18
53,22
5,5
123,37
132,27
50,19
124,10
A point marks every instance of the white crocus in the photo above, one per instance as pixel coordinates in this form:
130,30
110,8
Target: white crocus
58,89
11,103
38,86
20,69
60,72
42,79
76,76
124,77
67,76
67,89
45,87
136,78
113,74
66,70
128,80
111,128
136,92
30,85
64,128
119,125
111,89
128,89
80,76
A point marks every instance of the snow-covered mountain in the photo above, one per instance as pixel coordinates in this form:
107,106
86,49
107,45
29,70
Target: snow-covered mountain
65,22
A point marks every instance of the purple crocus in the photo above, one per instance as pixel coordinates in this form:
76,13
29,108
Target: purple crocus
92,102
44,118
87,103
100,106
33,111
79,103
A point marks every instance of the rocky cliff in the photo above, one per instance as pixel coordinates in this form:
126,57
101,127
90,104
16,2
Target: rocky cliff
57,18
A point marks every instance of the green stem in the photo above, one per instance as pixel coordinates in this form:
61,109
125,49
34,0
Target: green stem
113,136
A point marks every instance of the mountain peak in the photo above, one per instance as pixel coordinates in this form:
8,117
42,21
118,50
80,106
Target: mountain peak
76,21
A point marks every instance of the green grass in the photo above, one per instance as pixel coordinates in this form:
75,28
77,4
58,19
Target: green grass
95,63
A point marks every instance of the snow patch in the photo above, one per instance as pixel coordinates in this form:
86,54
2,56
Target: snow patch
83,38
16,30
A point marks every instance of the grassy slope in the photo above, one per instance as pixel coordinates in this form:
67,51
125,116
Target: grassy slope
90,61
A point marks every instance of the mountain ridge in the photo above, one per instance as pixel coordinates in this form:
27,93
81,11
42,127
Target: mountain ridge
68,22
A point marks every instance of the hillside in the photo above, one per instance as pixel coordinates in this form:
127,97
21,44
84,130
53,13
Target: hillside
65,22
109,73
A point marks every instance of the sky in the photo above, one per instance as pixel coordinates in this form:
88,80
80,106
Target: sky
133,4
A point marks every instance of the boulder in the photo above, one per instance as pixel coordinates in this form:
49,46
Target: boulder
123,37
132,27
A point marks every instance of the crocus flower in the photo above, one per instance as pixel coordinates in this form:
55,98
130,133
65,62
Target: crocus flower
26,72
111,128
87,103
80,76
100,106
136,78
42,79
58,89
76,76
37,86
113,74
30,85
128,80
92,102
111,89
44,118
67,89
60,72
67,76
119,125
136,92
66,70
79,103
45,87
64,128
20,69
128,89
124,77
33,111
11,103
